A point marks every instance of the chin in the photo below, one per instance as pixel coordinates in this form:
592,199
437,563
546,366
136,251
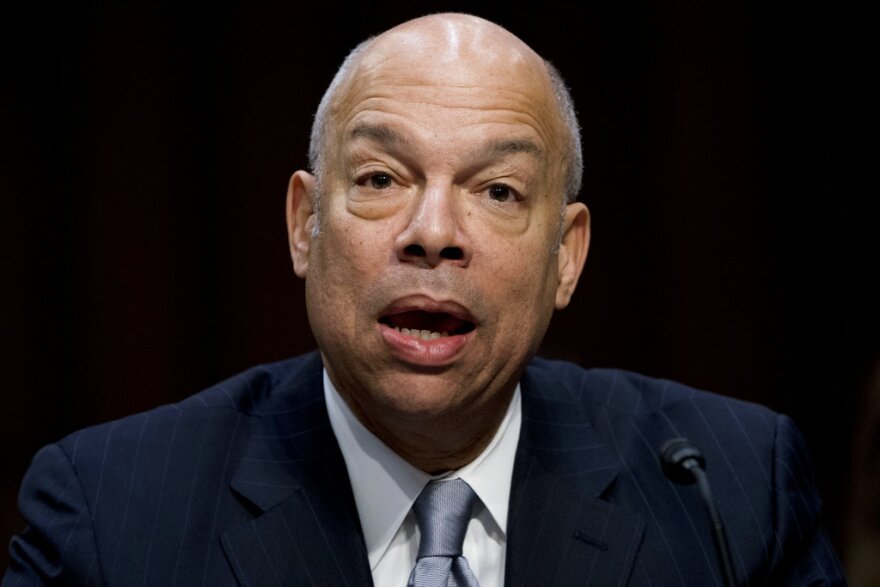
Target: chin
422,397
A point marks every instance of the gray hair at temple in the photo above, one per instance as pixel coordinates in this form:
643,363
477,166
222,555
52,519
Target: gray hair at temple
573,160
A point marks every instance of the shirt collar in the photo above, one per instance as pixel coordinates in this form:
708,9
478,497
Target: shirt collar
385,486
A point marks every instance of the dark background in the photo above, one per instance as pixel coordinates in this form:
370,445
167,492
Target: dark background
729,169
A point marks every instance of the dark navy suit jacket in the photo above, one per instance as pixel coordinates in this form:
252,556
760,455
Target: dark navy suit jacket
244,484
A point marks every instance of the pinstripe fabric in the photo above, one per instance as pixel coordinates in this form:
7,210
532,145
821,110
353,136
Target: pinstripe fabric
243,484
599,431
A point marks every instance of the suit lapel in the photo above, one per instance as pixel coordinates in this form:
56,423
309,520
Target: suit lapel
293,477
306,530
559,531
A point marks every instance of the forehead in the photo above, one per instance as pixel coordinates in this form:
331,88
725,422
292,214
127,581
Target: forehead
447,80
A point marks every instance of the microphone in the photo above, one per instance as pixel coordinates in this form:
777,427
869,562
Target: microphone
683,463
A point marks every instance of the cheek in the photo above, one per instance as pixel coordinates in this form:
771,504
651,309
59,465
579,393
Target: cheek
522,265
531,284
342,260
335,277
351,254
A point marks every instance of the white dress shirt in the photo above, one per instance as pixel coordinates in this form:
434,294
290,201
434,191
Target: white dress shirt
385,487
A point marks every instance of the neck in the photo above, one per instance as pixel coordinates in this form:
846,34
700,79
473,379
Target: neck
446,442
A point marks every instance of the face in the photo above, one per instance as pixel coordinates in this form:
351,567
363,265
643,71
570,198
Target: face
436,268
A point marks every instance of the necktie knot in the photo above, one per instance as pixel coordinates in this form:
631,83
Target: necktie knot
443,511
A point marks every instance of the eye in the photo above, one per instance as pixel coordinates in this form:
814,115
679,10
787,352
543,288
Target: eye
500,192
380,181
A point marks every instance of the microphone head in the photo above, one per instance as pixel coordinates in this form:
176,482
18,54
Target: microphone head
677,457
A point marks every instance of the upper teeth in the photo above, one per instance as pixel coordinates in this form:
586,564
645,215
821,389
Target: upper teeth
423,334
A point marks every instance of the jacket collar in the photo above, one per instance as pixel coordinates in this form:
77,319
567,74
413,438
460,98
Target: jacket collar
293,477
559,528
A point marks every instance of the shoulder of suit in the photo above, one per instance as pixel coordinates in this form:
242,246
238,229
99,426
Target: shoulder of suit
624,391
272,386
261,390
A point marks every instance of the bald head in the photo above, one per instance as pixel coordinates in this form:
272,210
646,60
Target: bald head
454,48
453,51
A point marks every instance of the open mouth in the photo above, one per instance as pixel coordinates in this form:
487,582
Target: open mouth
427,325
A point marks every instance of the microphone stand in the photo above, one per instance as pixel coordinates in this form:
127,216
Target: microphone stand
683,463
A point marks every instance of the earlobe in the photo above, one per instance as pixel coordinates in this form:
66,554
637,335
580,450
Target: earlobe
300,219
572,251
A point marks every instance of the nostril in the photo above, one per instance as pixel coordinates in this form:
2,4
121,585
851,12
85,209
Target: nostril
452,253
414,251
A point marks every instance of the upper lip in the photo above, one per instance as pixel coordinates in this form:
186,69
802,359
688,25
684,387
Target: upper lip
424,303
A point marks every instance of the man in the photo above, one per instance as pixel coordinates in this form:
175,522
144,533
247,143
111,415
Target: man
436,233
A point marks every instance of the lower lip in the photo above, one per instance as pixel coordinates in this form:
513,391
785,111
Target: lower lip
425,353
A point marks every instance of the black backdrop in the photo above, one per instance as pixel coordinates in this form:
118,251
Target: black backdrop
146,149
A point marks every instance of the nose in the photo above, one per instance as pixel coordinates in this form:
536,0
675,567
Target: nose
434,233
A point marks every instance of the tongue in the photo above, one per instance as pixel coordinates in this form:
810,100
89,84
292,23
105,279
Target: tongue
435,322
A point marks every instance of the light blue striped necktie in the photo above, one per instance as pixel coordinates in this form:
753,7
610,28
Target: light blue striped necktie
443,511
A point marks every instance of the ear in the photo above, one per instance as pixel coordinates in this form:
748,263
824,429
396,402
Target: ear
300,219
572,250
